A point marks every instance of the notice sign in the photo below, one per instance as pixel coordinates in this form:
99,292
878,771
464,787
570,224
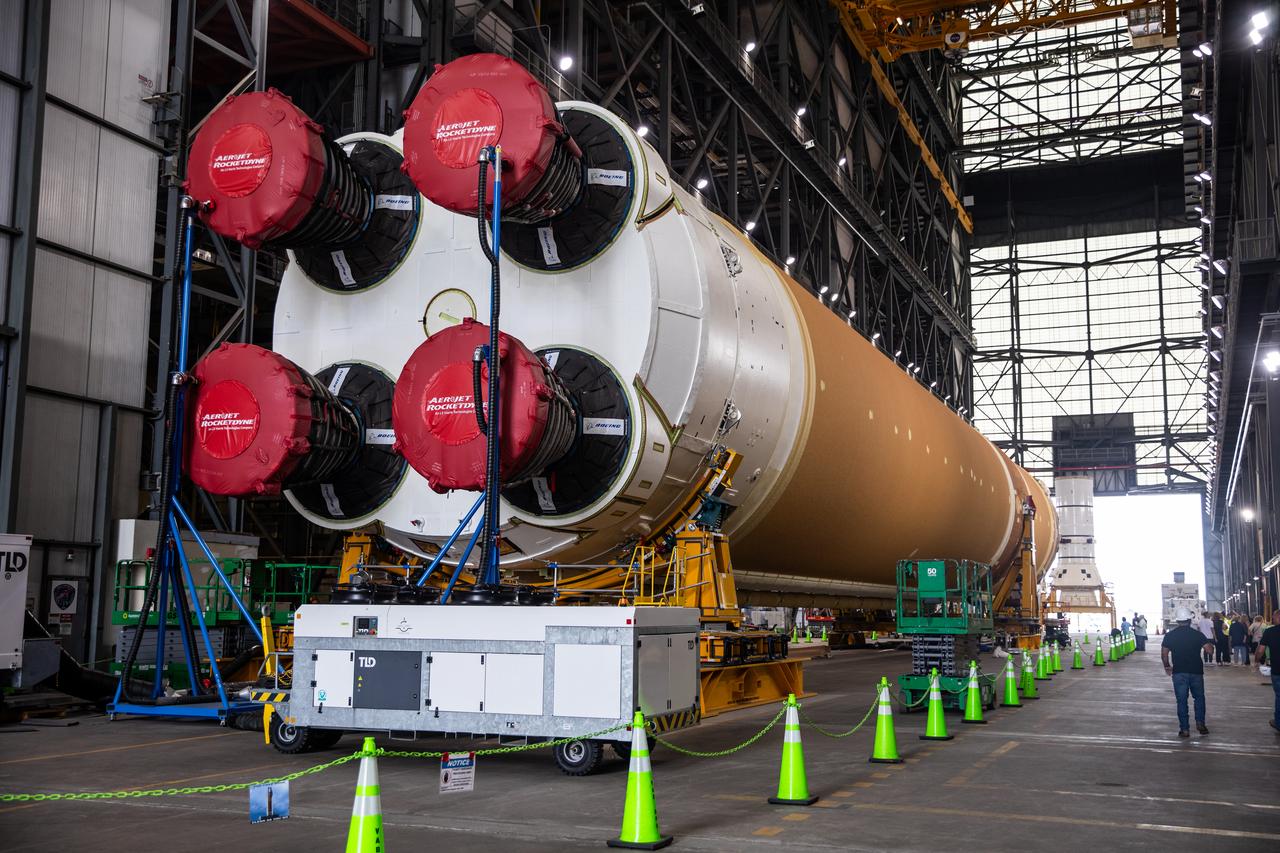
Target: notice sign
457,772
269,802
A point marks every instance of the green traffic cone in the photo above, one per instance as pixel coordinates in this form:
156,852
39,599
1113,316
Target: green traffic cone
794,638
1113,654
1077,660
885,749
935,727
1086,638
365,834
973,698
1028,678
1042,666
1057,657
640,813
808,634
1010,686
873,636
793,789
824,633
1098,659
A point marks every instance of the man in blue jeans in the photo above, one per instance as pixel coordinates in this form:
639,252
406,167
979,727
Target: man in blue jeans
1180,653
1271,642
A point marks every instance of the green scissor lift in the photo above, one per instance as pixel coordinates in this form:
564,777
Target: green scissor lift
945,606
278,589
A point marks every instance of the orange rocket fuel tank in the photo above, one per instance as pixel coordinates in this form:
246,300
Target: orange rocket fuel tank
884,471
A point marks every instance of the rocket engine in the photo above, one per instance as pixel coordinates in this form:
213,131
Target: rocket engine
640,331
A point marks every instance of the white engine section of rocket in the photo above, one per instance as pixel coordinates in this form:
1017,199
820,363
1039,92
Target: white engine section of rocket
849,464
1076,578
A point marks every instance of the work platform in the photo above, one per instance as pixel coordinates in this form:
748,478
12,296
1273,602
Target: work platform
1095,764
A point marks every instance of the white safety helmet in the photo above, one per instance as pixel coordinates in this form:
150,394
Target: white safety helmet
1182,614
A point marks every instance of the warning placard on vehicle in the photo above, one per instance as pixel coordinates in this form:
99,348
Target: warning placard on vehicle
457,772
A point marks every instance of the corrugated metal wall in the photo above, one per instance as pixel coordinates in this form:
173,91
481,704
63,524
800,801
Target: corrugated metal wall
89,321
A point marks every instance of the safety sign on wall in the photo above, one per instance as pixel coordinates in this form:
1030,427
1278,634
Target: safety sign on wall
62,605
457,772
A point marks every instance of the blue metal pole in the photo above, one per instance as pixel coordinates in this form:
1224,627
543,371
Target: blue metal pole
184,318
462,561
454,538
204,629
217,567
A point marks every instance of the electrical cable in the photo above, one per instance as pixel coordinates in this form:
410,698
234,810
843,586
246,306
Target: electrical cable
489,523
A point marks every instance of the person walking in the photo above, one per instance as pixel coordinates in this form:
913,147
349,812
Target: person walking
1206,628
1139,632
1180,654
1269,646
1221,643
1255,634
1238,633
1124,625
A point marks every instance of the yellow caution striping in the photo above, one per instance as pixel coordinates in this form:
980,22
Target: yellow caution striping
269,695
671,722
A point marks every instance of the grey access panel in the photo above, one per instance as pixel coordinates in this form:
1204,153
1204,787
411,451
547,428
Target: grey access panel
388,680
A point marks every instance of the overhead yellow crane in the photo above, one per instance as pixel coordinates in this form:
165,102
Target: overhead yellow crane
892,28
884,30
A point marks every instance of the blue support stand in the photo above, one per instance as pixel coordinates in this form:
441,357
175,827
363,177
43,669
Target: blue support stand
174,570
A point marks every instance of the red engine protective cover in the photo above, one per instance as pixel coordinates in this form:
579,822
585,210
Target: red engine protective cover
255,167
478,100
251,414
434,408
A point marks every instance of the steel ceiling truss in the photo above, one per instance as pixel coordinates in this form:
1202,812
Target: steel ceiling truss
837,192
1063,95
1092,327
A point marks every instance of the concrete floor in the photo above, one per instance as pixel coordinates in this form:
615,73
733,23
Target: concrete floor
1095,764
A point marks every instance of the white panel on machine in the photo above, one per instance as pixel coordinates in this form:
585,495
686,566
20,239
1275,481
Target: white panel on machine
588,681
15,552
456,681
513,684
682,670
335,677
653,665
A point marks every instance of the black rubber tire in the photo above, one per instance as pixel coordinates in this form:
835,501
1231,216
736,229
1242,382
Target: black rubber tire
579,757
292,740
623,748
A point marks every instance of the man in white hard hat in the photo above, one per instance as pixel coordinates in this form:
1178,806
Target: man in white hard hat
1180,652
